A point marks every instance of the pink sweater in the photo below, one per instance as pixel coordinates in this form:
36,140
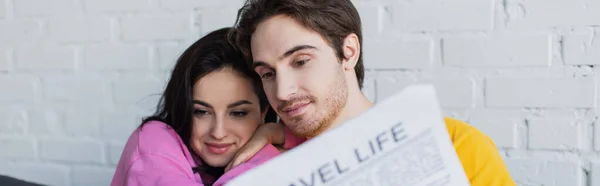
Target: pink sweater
156,155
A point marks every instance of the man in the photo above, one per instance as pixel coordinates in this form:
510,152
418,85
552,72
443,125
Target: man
308,54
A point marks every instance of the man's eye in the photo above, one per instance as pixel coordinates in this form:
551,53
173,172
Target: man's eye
300,63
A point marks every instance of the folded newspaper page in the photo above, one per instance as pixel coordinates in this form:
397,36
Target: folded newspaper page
400,141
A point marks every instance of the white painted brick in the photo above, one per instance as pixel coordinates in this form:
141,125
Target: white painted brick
79,30
582,49
47,174
20,33
82,125
370,19
73,151
409,53
553,13
44,8
92,176
4,65
17,88
451,92
48,58
540,92
46,122
387,87
114,152
118,126
594,174
213,19
502,129
13,121
168,55
498,51
75,88
144,89
596,136
2,9
167,27
435,15
108,6
545,172
111,57
18,148
191,4
555,133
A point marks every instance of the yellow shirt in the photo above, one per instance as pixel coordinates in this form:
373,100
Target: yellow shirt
478,154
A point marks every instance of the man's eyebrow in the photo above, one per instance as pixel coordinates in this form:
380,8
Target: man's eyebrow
295,49
286,54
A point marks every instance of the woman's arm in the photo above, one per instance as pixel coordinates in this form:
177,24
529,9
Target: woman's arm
152,169
268,133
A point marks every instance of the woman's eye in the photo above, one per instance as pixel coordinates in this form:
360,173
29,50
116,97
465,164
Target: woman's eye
267,75
239,114
200,112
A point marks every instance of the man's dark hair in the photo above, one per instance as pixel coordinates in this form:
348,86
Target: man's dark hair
332,19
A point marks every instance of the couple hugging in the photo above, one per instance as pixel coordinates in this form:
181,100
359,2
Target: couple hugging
287,71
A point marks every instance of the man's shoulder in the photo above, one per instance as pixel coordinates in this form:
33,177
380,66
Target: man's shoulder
478,154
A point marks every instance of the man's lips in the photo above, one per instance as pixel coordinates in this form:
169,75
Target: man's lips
296,109
218,148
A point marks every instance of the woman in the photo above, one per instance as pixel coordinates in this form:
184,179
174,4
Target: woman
210,108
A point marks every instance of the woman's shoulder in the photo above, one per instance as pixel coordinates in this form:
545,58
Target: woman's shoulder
156,137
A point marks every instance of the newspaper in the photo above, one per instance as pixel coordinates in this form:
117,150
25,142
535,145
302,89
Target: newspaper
400,141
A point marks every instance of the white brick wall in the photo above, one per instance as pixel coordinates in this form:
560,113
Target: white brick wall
522,71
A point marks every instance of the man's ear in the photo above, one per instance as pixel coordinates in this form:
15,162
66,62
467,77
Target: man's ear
351,49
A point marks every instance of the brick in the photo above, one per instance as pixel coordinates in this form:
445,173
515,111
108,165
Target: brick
498,51
118,126
49,58
540,92
79,30
46,122
191,4
114,152
500,127
72,151
13,121
545,172
582,48
144,89
553,13
594,174
451,92
596,136
19,33
439,15
18,148
168,27
43,8
117,57
213,19
41,173
370,19
168,55
2,9
4,64
82,125
555,133
409,53
92,176
75,88
17,88
111,6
